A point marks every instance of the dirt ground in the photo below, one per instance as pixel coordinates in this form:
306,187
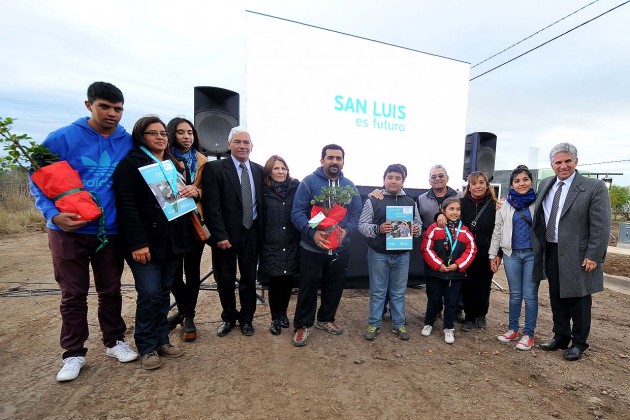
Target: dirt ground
616,264
265,377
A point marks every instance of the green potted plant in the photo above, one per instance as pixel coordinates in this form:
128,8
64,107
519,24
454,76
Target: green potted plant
329,209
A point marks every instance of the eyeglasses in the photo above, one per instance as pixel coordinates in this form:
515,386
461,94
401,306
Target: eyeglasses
156,133
441,176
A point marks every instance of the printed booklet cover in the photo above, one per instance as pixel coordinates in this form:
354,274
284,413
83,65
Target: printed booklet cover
401,217
172,205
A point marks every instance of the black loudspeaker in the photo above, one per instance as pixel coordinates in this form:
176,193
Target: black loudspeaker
216,113
480,154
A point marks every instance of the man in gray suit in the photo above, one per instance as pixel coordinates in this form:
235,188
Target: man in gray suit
572,222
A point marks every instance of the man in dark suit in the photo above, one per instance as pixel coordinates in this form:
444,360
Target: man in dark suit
232,203
572,223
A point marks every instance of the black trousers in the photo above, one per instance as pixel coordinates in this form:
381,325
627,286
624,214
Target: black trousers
224,265
565,310
279,295
186,294
476,288
331,271
440,291
460,299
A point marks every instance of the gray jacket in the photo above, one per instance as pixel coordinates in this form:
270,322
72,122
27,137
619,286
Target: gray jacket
502,233
583,232
428,206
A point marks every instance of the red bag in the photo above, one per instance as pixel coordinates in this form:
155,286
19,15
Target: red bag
63,185
330,223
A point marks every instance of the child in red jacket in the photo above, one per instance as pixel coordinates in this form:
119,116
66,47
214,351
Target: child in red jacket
448,251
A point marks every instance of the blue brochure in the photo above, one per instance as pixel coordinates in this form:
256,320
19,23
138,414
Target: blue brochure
172,204
401,217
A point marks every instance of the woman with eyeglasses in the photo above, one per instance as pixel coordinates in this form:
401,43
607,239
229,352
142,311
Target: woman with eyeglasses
183,143
279,258
155,246
513,234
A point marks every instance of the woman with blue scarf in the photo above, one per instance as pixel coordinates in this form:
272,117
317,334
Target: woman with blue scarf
184,145
514,235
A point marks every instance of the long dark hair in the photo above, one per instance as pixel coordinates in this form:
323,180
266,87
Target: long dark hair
137,134
171,128
269,166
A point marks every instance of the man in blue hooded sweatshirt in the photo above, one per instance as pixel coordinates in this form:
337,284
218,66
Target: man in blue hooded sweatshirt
317,261
92,146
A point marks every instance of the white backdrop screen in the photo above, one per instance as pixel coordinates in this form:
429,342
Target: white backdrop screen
308,87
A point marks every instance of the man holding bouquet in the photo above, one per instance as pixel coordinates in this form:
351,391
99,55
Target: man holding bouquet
92,146
323,256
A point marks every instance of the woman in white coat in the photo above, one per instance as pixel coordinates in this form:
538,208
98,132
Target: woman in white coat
513,234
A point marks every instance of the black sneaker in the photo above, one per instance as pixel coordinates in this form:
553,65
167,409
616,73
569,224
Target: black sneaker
467,327
481,322
461,316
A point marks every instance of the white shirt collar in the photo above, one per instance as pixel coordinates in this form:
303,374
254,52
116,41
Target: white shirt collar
237,163
567,182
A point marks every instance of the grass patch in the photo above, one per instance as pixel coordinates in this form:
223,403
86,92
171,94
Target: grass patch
17,208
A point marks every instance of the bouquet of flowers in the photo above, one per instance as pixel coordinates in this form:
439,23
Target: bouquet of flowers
57,180
62,184
329,210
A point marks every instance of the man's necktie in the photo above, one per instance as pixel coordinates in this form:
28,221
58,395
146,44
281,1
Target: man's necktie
246,193
550,234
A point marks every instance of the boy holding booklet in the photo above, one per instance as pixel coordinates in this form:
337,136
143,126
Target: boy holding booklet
388,266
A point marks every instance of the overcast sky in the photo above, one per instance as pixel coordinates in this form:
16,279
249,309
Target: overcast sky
574,89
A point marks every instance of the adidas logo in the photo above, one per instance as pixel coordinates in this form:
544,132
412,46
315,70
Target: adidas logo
101,171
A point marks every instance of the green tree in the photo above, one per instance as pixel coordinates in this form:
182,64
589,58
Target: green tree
620,200
20,155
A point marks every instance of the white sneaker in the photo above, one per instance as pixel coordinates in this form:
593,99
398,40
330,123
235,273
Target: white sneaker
71,368
449,335
122,352
508,336
525,343
426,331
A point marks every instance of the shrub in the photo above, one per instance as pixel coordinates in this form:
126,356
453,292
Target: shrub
17,209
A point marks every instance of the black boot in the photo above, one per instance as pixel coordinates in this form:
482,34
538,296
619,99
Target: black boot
284,321
190,330
174,321
275,328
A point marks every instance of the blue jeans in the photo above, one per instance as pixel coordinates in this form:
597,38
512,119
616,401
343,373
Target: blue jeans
153,282
518,268
388,272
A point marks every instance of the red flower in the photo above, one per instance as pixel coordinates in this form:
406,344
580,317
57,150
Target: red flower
63,185
330,223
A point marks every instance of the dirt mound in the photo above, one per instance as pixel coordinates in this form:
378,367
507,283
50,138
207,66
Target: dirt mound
345,376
